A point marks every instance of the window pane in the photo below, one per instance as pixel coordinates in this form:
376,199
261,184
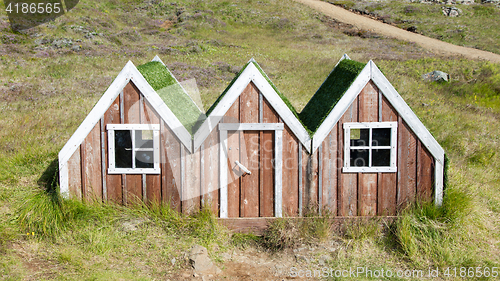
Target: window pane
144,159
144,139
381,137
123,149
381,158
360,137
359,157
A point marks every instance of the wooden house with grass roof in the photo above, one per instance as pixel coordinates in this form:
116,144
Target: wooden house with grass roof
371,154
356,149
253,146
134,143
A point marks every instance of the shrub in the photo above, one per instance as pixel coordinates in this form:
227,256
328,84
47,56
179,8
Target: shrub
361,229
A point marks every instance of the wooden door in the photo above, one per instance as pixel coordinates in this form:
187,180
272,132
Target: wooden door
250,173
251,170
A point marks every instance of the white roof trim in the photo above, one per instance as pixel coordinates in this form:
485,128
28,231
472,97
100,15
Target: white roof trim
371,72
406,113
157,58
129,72
344,57
340,108
252,74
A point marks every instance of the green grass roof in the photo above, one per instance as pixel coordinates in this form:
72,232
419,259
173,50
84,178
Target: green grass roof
171,92
313,114
327,96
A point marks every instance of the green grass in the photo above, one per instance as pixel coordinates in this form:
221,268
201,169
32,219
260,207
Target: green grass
45,93
330,92
475,28
172,93
285,233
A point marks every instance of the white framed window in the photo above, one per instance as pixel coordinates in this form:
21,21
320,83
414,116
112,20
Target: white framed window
370,147
133,148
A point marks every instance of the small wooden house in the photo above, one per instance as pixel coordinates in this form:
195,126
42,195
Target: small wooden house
356,149
371,153
131,144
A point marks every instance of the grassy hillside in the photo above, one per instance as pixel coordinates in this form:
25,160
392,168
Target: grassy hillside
476,27
52,75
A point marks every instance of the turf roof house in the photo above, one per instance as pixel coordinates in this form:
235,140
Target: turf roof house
356,148
371,153
131,144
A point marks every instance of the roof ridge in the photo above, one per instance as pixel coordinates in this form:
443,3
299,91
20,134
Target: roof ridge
330,92
159,77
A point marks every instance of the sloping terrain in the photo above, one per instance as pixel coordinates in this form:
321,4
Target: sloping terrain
431,44
52,75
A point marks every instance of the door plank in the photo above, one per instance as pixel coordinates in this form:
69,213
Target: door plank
266,162
233,144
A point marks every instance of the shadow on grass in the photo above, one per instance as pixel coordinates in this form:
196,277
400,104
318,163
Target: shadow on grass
49,181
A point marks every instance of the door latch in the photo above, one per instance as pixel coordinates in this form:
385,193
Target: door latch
243,168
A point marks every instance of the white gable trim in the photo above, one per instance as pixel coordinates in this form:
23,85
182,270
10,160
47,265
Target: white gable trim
371,72
340,108
157,58
252,74
406,113
128,73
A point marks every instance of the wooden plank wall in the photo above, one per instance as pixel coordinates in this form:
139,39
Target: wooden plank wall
369,194
114,184
249,141
367,189
88,177
189,180
253,195
153,182
267,157
233,140
290,173
386,201
210,181
348,182
90,157
329,172
191,188
170,168
75,175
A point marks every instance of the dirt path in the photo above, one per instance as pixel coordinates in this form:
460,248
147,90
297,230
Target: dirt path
434,45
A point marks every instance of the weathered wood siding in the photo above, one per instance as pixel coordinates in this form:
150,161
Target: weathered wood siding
88,176
253,195
369,194
314,181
